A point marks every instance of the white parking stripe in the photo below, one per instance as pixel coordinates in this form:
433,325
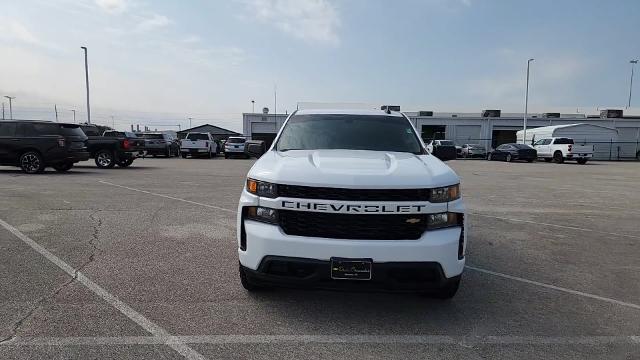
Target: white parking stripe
532,282
327,339
556,225
125,309
549,286
168,197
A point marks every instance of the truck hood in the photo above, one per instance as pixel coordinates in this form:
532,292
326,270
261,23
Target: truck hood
352,169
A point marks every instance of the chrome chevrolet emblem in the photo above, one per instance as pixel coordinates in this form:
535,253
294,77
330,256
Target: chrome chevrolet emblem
412,221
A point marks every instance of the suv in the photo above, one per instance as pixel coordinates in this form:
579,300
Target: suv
351,199
158,143
34,145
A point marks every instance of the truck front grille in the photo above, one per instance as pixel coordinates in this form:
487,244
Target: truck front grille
353,226
327,193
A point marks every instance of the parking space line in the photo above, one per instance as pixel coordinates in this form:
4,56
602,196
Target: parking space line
554,287
168,197
329,339
555,225
125,309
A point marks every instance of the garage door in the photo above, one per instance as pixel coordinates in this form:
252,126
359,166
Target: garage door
467,134
628,142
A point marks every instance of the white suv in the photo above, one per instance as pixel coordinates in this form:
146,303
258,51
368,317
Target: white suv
351,199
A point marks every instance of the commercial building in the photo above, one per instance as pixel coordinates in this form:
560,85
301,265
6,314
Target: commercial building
216,131
489,128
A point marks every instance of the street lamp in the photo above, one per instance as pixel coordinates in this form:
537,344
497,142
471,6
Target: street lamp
86,77
190,122
633,63
74,116
10,108
526,104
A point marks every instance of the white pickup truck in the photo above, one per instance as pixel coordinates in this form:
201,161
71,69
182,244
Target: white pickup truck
351,199
198,144
560,149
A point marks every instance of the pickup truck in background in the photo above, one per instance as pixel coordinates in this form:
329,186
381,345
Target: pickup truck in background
113,147
199,144
443,149
560,149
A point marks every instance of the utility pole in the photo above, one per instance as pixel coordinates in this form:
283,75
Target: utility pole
190,122
55,108
113,122
275,103
253,106
86,77
526,104
74,116
633,63
2,111
10,107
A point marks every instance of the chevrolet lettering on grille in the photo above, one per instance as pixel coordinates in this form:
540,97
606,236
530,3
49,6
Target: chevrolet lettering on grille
351,208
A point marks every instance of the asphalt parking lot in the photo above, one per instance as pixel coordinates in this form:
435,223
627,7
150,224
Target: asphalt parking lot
142,263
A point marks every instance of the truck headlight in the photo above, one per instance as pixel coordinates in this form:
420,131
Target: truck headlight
262,188
443,220
445,194
262,214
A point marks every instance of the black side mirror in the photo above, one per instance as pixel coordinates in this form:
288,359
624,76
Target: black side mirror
255,148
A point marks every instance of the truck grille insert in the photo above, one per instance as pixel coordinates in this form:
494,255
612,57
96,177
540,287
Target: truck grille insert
353,226
326,193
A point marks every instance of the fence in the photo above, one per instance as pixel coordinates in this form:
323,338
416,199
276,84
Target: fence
602,150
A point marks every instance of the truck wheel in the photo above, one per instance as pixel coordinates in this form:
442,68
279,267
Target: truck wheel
449,290
246,284
125,163
548,159
184,155
582,161
557,157
31,162
508,158
105,159
63,167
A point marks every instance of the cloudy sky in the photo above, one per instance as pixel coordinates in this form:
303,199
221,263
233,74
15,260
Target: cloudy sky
159,62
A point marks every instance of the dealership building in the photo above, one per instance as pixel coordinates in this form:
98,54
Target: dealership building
489,128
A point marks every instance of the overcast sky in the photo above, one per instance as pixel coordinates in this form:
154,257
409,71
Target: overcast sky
159,62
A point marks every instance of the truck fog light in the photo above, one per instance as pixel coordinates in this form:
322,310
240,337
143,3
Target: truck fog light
442,220
262,214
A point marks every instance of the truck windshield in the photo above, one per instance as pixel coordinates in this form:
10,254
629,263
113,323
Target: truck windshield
236,140
446,143
352,132
197,137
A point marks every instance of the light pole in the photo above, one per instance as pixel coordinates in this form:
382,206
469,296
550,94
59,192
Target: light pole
113,122
190,122
86,77
633,63
526,104
10,108
74,116
253,106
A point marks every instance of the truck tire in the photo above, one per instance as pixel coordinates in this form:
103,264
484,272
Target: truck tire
125,162
63,167
31,162
557,157
449,290
105,159
582,161
184,155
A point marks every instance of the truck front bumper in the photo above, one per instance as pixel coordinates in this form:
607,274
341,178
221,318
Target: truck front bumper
436,257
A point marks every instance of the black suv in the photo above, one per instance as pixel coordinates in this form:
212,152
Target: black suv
34,145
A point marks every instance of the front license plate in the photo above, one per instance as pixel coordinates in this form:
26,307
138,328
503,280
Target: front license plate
350,269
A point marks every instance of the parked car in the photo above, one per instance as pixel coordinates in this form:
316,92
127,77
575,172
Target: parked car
443,149
158,143
113,148
199,144
512,152
235,146
34,145
560,149
350,199
473,151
